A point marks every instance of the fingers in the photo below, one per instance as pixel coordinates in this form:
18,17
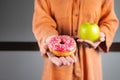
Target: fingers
68,60
59,61
92,44
54,59
89,43
65,61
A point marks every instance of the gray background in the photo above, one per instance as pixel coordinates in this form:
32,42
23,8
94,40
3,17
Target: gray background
16,25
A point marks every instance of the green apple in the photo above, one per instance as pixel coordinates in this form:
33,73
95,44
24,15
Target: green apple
89,31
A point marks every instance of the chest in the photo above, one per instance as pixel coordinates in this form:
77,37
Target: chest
84,8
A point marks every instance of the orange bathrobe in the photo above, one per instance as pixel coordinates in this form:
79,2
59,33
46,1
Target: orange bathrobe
63,17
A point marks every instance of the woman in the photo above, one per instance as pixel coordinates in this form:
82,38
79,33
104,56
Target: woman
63,17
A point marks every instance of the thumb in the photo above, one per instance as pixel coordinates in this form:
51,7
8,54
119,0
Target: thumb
102,37
44,48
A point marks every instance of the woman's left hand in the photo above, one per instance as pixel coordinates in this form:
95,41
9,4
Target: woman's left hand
91,44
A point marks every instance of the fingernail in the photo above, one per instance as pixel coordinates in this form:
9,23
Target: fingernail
64,63
68,64
57,63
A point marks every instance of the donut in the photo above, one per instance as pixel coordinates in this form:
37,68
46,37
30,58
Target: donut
62,45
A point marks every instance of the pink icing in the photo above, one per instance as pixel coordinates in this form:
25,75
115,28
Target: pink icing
62,43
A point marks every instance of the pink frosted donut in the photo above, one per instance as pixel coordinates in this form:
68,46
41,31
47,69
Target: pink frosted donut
62,45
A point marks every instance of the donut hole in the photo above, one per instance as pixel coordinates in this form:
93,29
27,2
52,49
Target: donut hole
62,42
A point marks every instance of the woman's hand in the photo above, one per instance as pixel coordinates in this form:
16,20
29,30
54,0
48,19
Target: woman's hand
59,61
91,44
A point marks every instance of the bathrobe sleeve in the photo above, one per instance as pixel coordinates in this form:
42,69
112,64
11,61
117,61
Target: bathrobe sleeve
43,25
108,24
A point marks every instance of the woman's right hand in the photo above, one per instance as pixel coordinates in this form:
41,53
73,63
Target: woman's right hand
59,61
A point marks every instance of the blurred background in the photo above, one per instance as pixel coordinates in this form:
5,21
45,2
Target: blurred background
16,26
